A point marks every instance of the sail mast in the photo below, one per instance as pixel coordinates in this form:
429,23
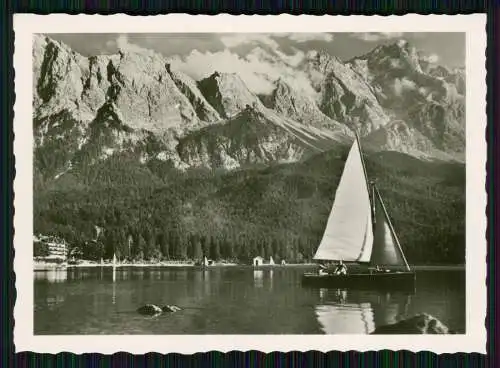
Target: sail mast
368,184
392,228
374,214
362,158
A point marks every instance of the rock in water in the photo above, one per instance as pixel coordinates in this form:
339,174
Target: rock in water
170,308
149,310
419,324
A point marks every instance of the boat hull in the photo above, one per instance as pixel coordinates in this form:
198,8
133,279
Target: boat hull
362,281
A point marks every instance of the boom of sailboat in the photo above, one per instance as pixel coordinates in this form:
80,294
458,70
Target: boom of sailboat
359,230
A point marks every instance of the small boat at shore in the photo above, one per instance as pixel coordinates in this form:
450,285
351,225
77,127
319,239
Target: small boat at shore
359,232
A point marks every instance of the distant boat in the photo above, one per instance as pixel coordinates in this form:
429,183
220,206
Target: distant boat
114,261
205,261
359,231
271,261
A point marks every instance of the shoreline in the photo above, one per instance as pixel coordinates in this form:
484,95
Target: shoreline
48,266
40,266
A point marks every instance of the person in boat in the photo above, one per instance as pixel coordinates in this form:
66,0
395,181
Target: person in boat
341,269
323,270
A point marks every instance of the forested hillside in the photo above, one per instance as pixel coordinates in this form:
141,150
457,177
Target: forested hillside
154,211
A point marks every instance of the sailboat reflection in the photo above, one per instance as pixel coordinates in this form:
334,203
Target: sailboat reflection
114,286
353,312
206,281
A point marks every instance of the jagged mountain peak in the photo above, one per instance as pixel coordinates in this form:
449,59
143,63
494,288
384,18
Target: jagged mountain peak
189,88
296,105
321,61
399,46
226,76
253,136
43,40
439,71
397,55
320,54
227,93
140,101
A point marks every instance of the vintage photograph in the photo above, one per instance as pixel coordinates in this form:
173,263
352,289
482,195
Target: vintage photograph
240,183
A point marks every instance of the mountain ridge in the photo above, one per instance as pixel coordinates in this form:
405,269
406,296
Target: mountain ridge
136,95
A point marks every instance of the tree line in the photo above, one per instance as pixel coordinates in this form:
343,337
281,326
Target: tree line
278,211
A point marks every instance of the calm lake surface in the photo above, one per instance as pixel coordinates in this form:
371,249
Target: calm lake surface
230,300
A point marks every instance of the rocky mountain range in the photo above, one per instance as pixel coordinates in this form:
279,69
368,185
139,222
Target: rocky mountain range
141,105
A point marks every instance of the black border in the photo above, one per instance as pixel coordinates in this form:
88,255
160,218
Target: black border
235,358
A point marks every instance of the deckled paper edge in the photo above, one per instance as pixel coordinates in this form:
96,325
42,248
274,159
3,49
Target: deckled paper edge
474,25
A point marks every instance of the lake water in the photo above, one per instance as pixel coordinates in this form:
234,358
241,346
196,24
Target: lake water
230,300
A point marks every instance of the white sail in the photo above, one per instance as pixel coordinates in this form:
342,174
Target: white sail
348,235
386,249
271,260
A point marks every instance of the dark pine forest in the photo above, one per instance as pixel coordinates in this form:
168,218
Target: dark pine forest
154,212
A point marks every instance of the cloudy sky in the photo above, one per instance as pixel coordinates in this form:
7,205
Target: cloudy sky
203,53
449,48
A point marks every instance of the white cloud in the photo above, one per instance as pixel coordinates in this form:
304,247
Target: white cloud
391,34
200,65
236,39
292,60
305,37
376,36
432,58
395,63
123,43
258,73
402,43
402,85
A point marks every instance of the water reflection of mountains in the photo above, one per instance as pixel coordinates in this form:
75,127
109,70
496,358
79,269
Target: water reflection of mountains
359,312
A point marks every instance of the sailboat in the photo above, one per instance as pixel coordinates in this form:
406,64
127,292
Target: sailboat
359,231
271,261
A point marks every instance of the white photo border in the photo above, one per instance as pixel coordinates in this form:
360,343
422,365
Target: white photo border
474,26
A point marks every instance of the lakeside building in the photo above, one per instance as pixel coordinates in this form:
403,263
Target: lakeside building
258,261
56,247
